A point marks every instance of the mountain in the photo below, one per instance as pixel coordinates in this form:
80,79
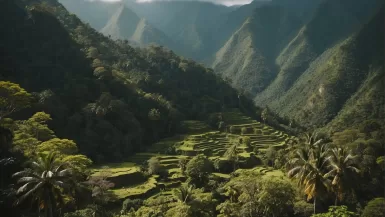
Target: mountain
190,24
247,58
307,49
125,24
343,86
109,97
96,13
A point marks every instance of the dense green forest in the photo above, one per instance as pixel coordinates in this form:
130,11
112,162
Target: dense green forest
91,126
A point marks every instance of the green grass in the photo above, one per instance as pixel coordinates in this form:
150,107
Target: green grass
222,175
123,193
113,170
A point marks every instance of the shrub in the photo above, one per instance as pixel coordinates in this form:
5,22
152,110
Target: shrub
223,165
198,170
337,211
303,209
129,204
247,141
244,130
182,164
154,166
375,208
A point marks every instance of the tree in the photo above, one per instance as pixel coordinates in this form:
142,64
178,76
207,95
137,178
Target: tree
101,188
375,208
308,168
271,155
154,166
37,126
101,73
184,193
246,141
276,197
265,114
182,164
198,169
342,170
337,211
154,114
181,210
229,209
12,98
231,154
61,146
46,181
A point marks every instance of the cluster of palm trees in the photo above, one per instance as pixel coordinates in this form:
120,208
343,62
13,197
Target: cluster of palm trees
321,167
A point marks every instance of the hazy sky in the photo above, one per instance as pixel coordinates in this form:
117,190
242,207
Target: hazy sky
224,2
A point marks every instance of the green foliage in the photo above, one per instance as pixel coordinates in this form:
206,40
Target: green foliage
101,73
183,164
257,196
47,182
308,167
375,208
81,213
63,146
246,141
130,204
198,169
108,118
336,211
303,209
154,166
277,197
180,210
12,98
33,137
154,114
184,193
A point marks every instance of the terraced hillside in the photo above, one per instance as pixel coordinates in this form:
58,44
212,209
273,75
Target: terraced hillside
200,139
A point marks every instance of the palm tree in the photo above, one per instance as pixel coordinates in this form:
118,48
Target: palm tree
308,168
342,169
45,181
184,193
232,153
311,139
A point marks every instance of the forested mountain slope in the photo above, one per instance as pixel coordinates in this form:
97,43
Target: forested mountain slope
345,84
110,98
322,35
248,57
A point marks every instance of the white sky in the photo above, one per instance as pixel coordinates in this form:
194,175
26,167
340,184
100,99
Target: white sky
224,2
